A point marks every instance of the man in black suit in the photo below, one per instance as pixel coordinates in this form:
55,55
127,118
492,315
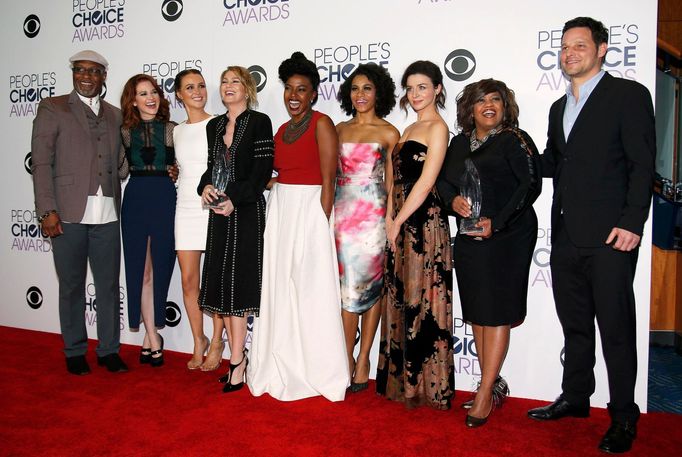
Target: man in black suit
600,154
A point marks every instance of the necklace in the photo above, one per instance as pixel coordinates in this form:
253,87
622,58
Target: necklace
294,130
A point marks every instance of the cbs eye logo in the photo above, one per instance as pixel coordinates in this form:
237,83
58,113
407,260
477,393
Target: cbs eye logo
34,297
459,65
171,9
31,25
27,163
173,314
562,356
259,76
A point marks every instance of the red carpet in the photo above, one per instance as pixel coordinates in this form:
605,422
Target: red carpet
171,411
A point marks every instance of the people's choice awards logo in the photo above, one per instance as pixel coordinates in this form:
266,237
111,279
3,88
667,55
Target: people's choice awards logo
97,20
31,26
26,234
336,63
26,90
238,12
259,76
464,348
541,275
173,314
459,65
620,60
171,9
164,72
34,297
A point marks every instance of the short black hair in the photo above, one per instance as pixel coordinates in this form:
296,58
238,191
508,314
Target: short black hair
600,33
383,83
298,64
429,69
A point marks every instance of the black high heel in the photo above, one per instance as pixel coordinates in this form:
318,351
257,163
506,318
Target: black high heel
235,387
473,421
356,387
145,355
226,377
157,361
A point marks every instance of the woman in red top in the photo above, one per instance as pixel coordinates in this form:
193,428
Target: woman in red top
298,348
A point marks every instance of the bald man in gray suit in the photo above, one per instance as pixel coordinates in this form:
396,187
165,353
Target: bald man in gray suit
75,159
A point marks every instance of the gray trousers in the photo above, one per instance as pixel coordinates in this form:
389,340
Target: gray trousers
101,245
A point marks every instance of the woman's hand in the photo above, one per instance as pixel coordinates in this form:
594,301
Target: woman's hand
224,208
461,206
392,230
487,226
209,194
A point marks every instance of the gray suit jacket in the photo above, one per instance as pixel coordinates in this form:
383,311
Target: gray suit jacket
61,154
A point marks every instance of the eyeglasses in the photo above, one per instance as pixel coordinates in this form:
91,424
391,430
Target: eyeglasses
92,71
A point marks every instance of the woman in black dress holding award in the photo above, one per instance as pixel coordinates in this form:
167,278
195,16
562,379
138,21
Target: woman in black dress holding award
241,139
492,263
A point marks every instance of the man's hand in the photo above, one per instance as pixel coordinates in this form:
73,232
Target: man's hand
173,172
52,225
623,240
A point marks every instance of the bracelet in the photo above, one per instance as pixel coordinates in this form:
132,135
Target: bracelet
45,215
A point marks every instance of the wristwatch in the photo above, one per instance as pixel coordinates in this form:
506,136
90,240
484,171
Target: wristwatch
45,215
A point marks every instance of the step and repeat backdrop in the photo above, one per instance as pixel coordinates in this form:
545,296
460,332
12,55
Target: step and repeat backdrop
516,42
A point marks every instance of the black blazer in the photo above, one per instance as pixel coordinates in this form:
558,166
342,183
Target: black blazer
251,152
603,174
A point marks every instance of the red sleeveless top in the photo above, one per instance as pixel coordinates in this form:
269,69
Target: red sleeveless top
298,162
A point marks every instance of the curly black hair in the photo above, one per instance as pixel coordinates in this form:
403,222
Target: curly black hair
430,70
298,64
383,84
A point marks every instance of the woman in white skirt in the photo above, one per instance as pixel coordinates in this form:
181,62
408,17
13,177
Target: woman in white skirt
298,347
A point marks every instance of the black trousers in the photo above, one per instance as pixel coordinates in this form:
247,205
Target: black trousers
591,283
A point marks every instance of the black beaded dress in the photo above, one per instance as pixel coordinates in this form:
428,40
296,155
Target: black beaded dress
233,261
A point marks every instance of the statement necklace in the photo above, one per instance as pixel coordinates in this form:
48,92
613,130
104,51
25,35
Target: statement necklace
294,130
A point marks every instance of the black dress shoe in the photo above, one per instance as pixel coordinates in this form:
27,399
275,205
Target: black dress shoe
560,408
618,438
113,363
77,365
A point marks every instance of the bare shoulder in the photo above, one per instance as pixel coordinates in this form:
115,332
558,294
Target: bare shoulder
389,133
341,126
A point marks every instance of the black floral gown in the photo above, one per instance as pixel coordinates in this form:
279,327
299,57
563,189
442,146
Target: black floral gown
415,352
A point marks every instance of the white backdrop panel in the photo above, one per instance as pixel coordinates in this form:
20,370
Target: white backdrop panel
514,42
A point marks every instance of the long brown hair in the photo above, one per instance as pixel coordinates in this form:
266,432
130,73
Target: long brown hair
131,116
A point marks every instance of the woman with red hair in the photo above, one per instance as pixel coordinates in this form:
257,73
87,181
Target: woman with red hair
148,209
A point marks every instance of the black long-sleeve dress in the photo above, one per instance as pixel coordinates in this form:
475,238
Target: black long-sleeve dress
233,262
492,274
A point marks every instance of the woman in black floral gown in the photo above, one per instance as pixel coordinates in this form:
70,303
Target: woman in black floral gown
415,353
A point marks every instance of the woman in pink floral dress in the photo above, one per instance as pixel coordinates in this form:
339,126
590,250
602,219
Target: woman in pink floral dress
360,207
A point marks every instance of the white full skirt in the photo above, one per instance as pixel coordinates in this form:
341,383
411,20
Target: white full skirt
298,348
